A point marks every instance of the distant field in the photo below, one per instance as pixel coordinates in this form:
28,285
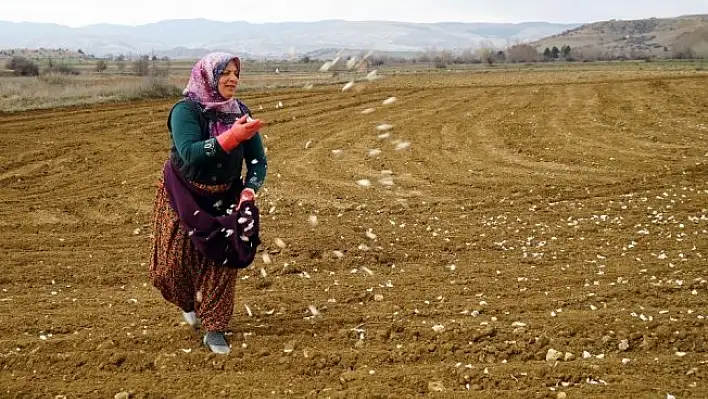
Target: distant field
113,85
525,233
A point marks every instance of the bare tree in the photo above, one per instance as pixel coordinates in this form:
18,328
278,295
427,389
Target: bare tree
522,53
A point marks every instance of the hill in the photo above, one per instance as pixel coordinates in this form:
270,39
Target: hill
187,38
680,37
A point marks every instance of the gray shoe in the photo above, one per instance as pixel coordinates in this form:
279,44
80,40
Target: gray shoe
216,342
192,319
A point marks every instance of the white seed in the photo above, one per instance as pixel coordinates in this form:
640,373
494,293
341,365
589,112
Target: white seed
374,152
364,183
384,127
553,355
266,258
368,111
248,310
338,254
383,136
370,235
280,243
198,297
438,328
313,310
623,345
389,101
326,66
402,145
337,153
373,75
312,219
386,181
348,86
351,63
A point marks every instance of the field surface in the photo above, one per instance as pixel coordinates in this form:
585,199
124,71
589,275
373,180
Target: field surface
524,234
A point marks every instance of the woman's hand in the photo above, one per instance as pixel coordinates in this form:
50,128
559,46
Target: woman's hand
240,131
247,194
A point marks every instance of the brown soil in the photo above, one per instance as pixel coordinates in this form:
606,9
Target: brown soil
532,211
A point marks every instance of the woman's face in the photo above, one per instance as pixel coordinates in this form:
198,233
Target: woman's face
228,80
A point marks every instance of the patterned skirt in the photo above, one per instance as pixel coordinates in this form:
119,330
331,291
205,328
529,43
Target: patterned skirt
182,274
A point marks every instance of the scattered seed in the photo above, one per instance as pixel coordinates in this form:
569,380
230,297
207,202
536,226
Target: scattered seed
364,183
312,219
266,258
402,145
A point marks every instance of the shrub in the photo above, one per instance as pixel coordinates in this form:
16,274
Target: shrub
155,87
64,69
141,67
101,66
22,66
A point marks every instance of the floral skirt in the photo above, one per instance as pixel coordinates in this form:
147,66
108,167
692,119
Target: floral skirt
182,274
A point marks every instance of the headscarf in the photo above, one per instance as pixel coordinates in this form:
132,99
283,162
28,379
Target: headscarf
203,89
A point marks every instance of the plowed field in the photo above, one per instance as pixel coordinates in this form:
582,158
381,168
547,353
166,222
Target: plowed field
544,234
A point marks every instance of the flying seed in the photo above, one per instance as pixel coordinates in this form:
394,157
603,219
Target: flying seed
364,183
266,258
402,145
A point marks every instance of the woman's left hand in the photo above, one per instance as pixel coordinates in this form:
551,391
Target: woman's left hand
247,194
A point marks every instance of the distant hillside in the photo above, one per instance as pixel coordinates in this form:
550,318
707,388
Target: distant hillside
663,38
192,38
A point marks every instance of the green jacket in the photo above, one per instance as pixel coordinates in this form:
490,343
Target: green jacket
201,159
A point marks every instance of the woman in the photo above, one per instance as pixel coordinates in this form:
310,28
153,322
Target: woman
205,221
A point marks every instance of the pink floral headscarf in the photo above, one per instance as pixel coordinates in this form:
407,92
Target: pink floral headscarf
204,81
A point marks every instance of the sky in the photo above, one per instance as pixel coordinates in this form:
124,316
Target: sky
77,13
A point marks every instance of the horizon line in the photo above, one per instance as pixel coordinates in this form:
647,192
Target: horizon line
335,20
350,21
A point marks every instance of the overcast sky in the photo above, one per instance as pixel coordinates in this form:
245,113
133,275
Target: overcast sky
135,12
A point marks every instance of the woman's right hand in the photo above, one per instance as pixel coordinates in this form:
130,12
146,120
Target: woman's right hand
242,130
